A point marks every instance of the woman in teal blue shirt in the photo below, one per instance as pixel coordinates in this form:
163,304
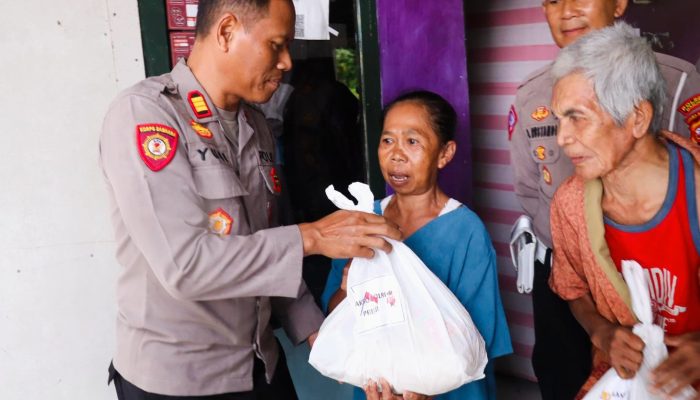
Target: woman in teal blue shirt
416,142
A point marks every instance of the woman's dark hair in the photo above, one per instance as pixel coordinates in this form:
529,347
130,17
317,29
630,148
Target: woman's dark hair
443,118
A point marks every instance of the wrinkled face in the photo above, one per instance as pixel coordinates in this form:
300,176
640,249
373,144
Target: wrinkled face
588,135
410,152
259,53
570,19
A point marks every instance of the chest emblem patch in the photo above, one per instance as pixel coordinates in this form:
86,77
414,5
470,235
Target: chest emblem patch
512,121
690,104
199,104
540,113
276,184
157,145
201,130
693,122
546,176
541,152
220,222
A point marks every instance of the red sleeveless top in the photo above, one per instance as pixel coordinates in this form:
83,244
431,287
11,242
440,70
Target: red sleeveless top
668,248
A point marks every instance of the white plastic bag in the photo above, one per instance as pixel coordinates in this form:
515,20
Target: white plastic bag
610,385
398,322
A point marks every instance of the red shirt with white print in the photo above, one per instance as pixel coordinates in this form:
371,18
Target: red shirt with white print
668,248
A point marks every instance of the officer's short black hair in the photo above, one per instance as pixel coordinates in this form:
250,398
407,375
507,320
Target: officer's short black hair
443,118
209,10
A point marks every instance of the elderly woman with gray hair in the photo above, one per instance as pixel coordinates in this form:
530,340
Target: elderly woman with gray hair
633,197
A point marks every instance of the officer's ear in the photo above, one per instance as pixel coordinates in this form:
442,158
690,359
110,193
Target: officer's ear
228,25
620,7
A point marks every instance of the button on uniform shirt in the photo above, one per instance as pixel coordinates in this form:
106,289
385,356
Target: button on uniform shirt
540,166
203,265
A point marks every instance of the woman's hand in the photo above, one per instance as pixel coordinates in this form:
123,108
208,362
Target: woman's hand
311,339
344,281
624,348
342,291
372,392
682,367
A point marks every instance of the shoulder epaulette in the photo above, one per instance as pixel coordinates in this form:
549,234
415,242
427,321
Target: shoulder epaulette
675,63
536,74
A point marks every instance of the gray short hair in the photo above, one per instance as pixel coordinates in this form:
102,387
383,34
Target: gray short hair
622,68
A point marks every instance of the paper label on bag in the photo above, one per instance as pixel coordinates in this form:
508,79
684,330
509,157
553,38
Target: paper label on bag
377,303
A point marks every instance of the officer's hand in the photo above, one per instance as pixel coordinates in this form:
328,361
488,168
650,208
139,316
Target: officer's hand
347,234
682,367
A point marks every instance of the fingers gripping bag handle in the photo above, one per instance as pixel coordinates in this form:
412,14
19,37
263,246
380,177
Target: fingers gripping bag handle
655,350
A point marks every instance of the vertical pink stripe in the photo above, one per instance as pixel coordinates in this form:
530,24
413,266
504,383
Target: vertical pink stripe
485,121
492,156
522,349
507,284
498,215
519,318
536,52
502,249
493,88
494,186
506,17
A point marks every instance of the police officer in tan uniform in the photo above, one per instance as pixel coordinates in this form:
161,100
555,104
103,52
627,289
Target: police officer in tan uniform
189,166
562,354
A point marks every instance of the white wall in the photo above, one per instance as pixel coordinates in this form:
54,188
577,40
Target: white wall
61,62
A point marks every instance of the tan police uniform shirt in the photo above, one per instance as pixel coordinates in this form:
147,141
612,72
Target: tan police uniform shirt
540,166
203,267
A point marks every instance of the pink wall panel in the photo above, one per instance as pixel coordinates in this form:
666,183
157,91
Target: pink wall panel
506,41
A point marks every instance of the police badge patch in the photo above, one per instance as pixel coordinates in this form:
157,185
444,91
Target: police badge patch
693,122
691,112
201,130
220,222
276,184
157,145
512,120
540,113
546,175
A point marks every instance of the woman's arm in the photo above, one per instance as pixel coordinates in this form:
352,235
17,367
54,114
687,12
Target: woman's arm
624,348
340,294
342,291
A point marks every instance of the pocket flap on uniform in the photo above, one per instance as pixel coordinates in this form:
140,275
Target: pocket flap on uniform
218,182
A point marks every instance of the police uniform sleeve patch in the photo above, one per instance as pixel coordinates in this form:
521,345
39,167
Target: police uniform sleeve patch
157,145
693,121
512,121
689,105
